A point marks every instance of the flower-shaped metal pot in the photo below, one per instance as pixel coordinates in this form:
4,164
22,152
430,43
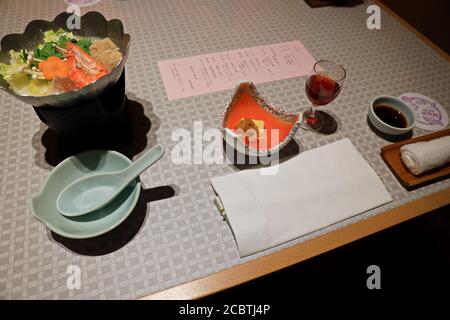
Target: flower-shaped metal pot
93,24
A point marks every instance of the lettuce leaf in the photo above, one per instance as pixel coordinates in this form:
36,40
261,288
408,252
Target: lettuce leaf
16,65
54,36
60,38
21,82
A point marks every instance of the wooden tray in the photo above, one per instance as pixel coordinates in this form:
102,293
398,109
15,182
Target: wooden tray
391,155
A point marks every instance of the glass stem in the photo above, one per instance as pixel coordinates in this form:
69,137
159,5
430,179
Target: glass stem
312,119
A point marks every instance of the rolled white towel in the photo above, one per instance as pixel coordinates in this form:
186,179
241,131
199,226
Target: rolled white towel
424,156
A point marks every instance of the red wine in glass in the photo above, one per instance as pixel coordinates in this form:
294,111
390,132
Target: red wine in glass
321,89
322,86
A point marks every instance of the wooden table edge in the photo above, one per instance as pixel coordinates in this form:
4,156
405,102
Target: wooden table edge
259,267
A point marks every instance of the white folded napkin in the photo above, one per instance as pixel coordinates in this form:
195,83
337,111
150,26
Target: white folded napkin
314,189
423,156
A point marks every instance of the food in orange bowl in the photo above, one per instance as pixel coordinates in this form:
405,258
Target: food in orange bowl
255,127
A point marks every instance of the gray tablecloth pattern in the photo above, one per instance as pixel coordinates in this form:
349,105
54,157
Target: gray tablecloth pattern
176,234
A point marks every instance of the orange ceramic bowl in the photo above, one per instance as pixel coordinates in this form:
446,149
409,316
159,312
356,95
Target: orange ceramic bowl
278,125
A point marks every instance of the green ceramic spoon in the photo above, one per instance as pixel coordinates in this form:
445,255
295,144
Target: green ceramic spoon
95,191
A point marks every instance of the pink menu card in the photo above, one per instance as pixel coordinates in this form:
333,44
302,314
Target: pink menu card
191,76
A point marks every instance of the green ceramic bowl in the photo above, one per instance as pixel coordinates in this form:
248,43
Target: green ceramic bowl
98,222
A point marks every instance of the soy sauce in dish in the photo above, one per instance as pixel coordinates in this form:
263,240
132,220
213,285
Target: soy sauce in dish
391,116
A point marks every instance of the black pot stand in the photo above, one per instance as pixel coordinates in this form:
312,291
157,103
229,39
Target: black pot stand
91,118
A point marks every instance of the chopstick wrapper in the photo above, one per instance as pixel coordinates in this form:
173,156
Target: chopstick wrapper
313,190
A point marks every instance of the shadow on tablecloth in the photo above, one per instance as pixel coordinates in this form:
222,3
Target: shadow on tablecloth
240,161
130,138
124,233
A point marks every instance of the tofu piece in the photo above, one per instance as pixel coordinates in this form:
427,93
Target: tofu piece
102,45
106,52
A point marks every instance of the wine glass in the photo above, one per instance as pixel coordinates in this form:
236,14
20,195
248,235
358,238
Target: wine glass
323,85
